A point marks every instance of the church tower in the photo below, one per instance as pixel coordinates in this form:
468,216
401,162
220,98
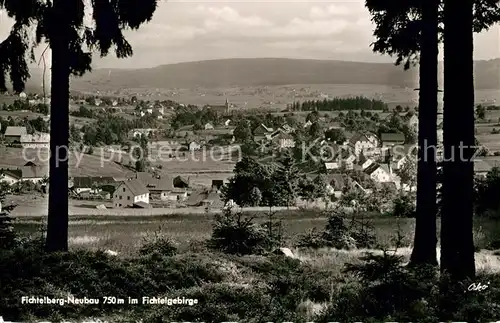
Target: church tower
227,106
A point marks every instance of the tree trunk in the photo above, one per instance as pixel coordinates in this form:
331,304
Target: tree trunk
57,223
425,241
457,245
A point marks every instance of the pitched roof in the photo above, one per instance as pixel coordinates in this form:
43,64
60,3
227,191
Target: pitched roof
372,168
87,181
358,136
136,187
163,183
15,131
333,165
34,171
392,137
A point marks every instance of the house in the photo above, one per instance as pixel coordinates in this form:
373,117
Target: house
400,154
283,139
227,123
362,142
35,174
161,188
363,162
380,173
392,139
308,124
337,183
287,129
332,166
80,184
262,130
13,134
129,193
193,145
137,133
180,182
208,126
39,140
22,95
207,198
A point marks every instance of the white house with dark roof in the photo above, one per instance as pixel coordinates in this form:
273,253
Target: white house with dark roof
380,173
130,193
162,187
282,138
362,142
392,139
35,174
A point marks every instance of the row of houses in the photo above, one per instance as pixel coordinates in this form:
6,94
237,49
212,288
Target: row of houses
281,137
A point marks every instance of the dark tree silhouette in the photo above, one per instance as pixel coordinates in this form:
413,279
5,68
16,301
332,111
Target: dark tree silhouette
60,23
457,245
410,31
425,241
419,35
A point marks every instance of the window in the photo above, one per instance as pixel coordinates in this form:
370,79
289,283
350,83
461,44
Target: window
124,189
120,197
120,205
128,198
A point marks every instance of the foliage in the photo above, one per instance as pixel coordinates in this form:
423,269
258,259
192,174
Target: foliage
408,172
354,103
404,206
340,232
7,234
336,135
398,27
277,184
237,235
111,129
487,191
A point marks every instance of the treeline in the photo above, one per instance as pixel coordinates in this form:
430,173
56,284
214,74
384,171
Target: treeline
336,104
256,184
32,125
20,105
193,115
110,129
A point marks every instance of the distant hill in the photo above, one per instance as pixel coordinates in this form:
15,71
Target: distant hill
263,71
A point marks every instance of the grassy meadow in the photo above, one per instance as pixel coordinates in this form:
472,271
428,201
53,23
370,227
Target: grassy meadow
126,234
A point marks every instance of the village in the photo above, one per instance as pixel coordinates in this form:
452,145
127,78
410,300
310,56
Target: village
189,153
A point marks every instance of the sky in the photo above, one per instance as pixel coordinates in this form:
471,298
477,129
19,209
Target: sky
185,30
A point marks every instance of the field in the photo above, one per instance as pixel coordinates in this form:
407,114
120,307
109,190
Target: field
80,165
126,234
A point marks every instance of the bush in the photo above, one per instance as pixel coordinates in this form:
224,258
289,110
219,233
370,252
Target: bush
340,234
234,235
27,270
